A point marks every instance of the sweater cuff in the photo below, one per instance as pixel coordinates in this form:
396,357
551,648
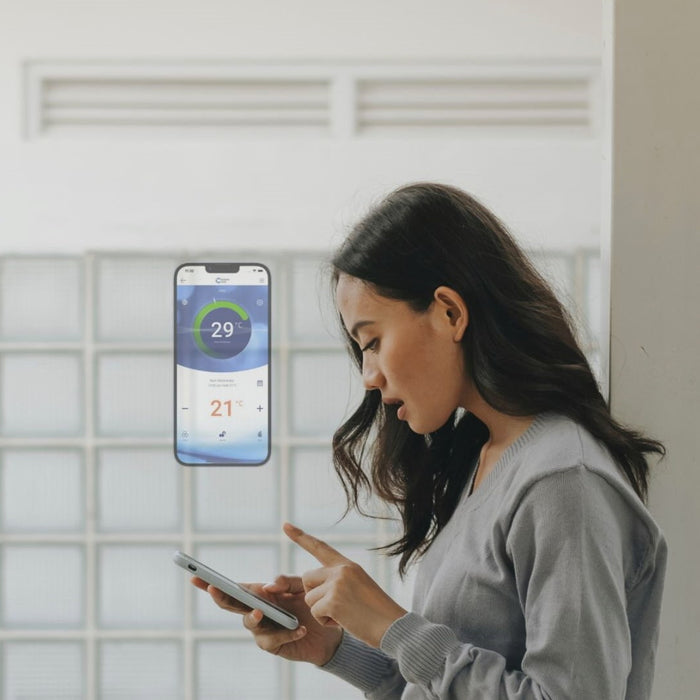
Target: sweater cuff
359,664
420,647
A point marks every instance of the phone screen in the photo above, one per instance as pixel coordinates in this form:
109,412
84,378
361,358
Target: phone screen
222,363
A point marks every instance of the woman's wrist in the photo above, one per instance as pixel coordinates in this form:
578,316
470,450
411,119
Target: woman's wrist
382,626
332,647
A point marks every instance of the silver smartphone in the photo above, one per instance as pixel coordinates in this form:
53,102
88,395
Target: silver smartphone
235,590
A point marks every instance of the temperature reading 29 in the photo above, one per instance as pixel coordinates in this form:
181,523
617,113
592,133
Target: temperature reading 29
218,327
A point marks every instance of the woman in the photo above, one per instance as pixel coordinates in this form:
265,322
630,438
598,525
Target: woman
540,570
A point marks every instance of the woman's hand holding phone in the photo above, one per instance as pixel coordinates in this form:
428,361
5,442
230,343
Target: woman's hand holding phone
340,595
311,641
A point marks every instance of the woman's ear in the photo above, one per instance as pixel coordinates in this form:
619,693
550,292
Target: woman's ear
451,308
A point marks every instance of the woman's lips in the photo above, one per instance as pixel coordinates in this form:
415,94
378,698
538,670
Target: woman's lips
401,410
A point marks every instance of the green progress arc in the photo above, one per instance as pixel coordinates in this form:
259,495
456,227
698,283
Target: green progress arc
197,330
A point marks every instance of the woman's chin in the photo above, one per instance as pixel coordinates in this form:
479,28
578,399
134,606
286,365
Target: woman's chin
424,427
419,428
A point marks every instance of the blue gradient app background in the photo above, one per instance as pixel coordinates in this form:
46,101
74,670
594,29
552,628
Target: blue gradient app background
222,354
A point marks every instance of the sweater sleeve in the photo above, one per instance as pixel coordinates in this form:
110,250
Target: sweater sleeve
367,668
566,541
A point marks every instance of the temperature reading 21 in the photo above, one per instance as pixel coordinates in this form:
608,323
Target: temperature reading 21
218,405
223,408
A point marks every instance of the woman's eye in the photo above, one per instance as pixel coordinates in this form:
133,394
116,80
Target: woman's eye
372,345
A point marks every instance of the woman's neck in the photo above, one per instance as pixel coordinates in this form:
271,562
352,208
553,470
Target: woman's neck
503,429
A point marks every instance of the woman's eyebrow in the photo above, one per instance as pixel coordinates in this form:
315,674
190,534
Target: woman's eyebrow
357,326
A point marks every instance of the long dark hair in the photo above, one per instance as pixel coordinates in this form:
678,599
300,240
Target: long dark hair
519,348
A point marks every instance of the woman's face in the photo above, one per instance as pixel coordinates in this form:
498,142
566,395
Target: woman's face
414,359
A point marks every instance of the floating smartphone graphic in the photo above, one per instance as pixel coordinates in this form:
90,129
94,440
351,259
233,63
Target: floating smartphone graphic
222,363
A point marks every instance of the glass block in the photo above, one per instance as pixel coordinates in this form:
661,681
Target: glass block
43,671
41,394
41,490
232,670
138,490
134,299
275,397
302,561
595,359
558,270
241,563
594,302
139,586
313,315
140,671
276,291
325,390
42,586
318,499
237,499
41,299
311,683
135,394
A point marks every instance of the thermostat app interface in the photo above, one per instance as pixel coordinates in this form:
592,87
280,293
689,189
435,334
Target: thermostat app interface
222,363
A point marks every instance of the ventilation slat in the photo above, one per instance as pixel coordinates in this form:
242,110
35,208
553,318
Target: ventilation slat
475,102
132,103
376,92
498,102
471,116
116,92
154,102
185,115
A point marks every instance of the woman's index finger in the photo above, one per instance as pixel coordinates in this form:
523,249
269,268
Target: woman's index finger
322,551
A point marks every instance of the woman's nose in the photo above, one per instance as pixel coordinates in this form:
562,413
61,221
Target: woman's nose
371,376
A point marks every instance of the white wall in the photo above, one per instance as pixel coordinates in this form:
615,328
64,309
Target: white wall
270,29
72,196
655,289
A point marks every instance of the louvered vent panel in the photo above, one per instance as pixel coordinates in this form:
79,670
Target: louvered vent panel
344,100
135,103
385,105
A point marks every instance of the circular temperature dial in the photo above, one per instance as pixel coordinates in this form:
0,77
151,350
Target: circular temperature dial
222,329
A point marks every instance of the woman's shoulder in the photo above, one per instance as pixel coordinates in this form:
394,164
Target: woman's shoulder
563,460
566,486
561,445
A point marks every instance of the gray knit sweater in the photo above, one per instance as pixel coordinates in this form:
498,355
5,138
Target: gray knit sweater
546,583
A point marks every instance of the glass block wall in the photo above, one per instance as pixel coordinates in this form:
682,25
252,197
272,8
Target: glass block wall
93,503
